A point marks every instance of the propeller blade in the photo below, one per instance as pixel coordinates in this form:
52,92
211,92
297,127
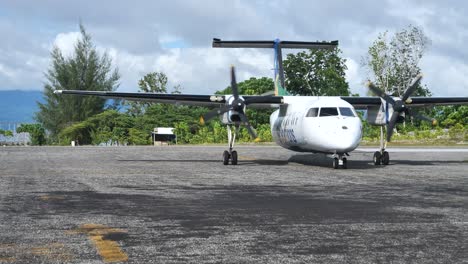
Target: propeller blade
413,86
251,130
212,114
423,117
391,125
380,93
235,91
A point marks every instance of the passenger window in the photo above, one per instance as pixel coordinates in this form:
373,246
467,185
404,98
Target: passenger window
313,112
328,111
345,111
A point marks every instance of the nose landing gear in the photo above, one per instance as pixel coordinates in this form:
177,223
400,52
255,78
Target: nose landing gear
340,161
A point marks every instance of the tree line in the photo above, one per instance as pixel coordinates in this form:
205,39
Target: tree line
391,62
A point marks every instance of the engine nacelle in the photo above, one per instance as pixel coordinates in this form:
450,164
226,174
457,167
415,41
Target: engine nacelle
376,115
380,115
232,116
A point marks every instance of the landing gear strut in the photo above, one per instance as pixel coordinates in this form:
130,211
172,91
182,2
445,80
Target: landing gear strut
339,160
231,154
382,156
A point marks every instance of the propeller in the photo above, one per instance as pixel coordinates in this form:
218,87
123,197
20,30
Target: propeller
399,106
238,105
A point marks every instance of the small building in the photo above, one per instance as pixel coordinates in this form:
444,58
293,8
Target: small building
163,136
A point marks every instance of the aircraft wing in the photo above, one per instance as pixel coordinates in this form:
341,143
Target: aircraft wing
257,101
364,102
182,99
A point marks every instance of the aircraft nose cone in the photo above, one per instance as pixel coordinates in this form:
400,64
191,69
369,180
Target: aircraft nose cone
349,136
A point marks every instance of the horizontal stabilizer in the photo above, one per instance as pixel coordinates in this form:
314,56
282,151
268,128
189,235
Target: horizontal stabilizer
218,43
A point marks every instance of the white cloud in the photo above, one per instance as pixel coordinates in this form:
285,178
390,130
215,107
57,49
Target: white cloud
66,42
445,76
6,71
197,70
175,37
354,78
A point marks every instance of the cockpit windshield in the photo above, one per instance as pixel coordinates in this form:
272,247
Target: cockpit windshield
313,112
328,111
345,111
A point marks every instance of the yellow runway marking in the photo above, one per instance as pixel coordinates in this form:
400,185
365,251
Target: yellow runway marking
54,251
51,197
246,158
7,259
4,250
109,250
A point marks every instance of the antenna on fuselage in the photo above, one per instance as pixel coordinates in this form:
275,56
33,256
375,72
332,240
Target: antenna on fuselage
277,45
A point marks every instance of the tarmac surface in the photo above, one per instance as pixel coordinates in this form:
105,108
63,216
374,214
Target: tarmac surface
179,204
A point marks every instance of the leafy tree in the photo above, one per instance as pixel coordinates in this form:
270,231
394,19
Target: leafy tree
252,86
316,72
7,133
80,132
36,131
138,137
84,70
153,82
449,116
107,126
392,62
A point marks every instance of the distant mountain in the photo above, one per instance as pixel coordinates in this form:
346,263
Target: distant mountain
18,106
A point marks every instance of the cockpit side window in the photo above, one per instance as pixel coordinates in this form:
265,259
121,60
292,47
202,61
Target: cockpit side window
346,111
313,112
328,111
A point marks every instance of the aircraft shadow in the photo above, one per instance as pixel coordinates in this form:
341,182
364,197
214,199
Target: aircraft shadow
318,160
166,160
322,160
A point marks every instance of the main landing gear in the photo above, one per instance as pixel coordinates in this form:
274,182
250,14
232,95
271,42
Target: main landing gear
340,161
231,154
382,156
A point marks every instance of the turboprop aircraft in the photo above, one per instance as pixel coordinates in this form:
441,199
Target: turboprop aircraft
317,124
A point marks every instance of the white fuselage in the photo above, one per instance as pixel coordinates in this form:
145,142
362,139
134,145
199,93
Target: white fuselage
332,126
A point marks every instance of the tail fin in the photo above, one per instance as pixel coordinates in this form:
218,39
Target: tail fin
279,90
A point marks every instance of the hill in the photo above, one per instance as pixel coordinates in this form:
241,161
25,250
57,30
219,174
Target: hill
19,106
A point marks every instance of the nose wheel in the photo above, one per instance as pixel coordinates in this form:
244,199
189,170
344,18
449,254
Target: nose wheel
339,161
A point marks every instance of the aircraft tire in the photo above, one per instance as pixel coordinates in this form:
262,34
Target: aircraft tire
225,157
377,158
335,163
345,163
234,158
385,158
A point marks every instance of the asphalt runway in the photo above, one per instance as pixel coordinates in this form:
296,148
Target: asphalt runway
179,204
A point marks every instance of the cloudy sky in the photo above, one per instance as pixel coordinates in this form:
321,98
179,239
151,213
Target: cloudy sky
175,37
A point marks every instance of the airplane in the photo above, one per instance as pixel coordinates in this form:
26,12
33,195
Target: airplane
317,124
